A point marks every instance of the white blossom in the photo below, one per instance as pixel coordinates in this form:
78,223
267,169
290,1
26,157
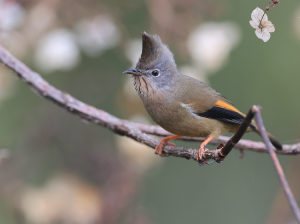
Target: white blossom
97,35
138,156
210,44
11,16
261,24
57,50
63,199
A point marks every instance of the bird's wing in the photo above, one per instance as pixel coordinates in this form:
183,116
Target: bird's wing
206,102
224,110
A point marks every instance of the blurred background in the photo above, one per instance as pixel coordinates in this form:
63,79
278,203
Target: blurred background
54,168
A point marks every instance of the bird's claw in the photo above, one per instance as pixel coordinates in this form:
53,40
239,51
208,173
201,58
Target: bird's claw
199,154
160,147
201,163
209,162
200,160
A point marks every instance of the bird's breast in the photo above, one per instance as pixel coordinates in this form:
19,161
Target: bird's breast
179,119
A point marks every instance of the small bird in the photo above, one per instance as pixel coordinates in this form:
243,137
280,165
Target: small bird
181,104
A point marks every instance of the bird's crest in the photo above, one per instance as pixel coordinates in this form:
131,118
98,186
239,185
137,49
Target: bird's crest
155,54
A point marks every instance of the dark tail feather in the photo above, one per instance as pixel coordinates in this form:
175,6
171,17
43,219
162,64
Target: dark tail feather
273,140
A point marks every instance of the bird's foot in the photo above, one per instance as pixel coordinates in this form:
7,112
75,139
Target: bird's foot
201,148
160,147
171,144
200,154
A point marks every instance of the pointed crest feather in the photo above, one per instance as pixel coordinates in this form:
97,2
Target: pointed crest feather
154,54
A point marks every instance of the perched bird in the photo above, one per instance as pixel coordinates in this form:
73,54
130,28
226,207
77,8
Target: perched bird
180,104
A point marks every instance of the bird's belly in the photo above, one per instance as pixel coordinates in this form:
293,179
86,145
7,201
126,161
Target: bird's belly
182,122
197,127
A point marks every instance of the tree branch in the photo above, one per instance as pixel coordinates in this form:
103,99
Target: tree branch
136,131
243,144
279,170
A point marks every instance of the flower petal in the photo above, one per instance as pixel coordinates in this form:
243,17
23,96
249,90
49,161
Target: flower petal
257,14
269,26
265,19
258,33
263,34
254,24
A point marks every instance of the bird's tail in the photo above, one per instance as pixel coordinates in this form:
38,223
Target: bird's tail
273,140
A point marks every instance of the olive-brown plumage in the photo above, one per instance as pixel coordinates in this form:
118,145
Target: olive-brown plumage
180,104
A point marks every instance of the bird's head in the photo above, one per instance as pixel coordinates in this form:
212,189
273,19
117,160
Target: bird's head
156,66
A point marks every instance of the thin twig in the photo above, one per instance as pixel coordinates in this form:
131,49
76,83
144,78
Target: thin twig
133,130
239,134
272,3
265,12
277,165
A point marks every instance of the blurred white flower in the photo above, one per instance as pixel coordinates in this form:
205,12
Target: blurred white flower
133,50
57,51
97,35
64,199
261,24
11,15
211,43
138,155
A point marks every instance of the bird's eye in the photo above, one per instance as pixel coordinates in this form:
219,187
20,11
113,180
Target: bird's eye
155,73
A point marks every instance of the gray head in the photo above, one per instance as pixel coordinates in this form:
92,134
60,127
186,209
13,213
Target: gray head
155,68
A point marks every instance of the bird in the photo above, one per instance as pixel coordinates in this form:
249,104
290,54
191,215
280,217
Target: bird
180,104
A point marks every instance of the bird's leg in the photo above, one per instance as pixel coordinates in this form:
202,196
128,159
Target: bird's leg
163,142
202,145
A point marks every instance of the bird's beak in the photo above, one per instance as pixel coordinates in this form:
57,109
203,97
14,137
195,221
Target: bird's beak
133,72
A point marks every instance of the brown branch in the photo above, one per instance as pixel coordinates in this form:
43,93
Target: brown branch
243,144
136,131
277,165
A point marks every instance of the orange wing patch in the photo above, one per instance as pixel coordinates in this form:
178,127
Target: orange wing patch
226,112
227,106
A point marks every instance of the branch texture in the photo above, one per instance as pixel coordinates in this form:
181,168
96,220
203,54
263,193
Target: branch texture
137,131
